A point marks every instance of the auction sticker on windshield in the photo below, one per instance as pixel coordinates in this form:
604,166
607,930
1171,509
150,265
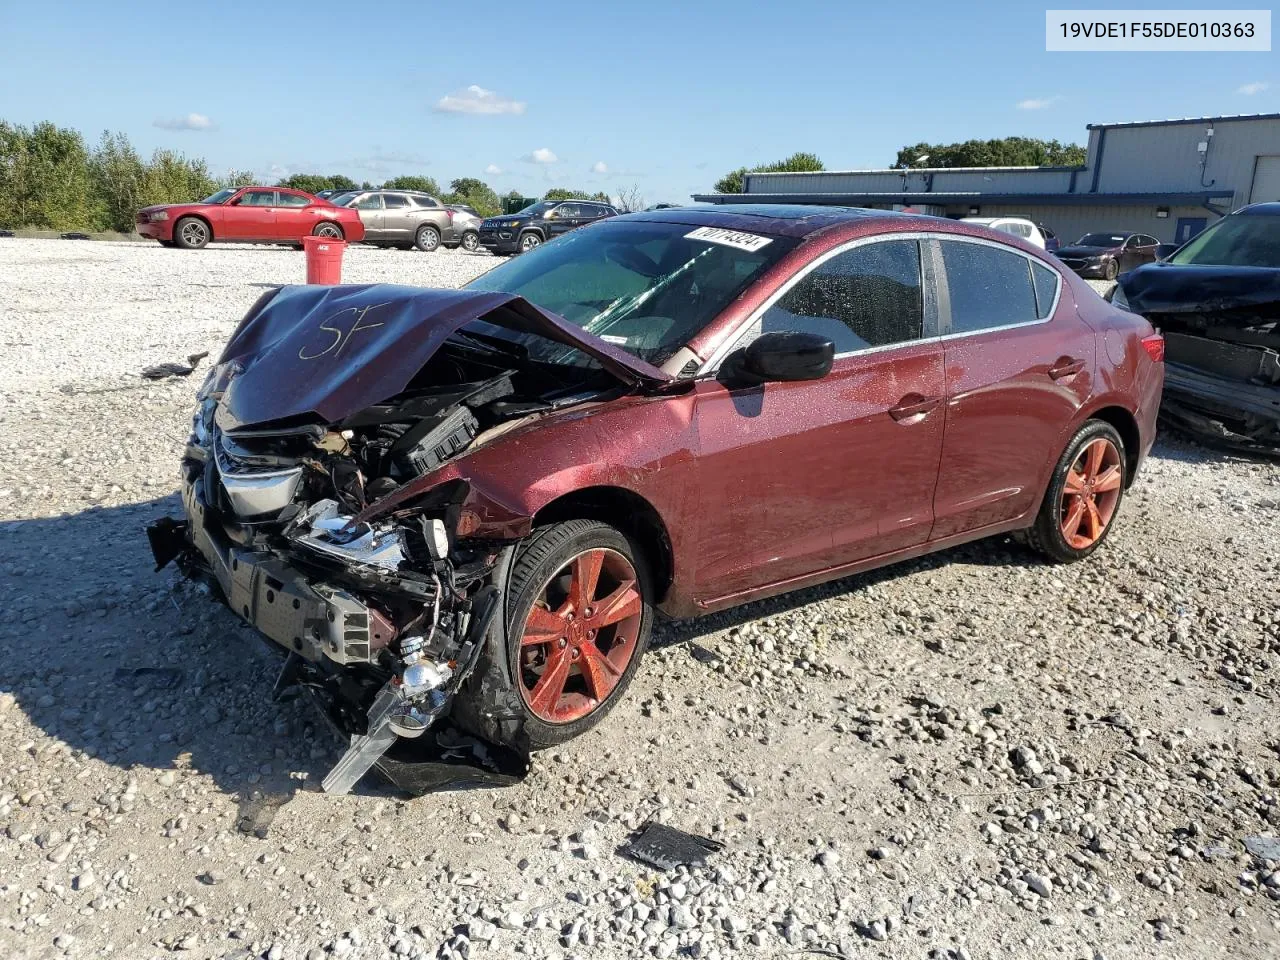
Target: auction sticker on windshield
729,238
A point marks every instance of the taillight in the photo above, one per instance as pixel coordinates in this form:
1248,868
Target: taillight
449,213
1154,345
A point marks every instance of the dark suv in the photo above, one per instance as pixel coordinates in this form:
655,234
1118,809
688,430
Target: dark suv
538,223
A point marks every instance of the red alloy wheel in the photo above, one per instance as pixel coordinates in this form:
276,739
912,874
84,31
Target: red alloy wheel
580,636
1091,493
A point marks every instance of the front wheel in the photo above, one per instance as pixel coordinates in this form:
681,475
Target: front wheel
1112,269
528,241
1084,495
191,233
330,231
427,239
579,612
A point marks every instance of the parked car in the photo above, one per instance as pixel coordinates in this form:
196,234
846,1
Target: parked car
1050,238
403,218
1016,226
1217,300
1104,256
248,215
330,194
540,222
466,225
460,510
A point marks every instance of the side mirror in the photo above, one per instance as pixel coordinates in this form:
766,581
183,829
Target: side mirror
778,357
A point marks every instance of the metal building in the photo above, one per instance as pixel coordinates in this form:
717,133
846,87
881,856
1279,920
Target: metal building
1166,178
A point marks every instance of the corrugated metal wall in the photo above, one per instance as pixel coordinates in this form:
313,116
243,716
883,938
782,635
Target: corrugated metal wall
1145,159
893,181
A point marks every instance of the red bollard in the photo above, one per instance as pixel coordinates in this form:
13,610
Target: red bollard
324,259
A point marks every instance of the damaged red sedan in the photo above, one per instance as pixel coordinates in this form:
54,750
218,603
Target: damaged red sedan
459,511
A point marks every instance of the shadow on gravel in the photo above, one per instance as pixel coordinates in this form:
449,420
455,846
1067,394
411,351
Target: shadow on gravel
997,551
144,671
147,672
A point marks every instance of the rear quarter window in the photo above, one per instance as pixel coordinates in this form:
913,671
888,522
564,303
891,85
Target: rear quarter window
988,287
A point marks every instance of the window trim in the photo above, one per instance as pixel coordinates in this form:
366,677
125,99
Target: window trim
931,315
944,318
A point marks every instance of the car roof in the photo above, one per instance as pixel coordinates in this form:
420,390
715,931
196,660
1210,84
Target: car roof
778,219
990,220
1268,209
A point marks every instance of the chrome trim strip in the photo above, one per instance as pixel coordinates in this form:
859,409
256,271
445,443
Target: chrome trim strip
730,343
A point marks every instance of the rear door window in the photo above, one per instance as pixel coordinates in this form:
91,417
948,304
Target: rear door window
1046,283
293,200
988,287
395,201
870,296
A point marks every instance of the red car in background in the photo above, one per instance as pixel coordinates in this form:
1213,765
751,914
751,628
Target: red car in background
249,215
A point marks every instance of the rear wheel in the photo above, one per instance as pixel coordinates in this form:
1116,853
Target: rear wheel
579,615
330,231
427,239
191,233
471,241
529,240
1112,269
1084,495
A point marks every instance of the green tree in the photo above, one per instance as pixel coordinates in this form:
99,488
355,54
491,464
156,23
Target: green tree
735,180
476,194
306,182
422,184
173,178
44,177
1003,152
338,182
118,176
238,178
560,193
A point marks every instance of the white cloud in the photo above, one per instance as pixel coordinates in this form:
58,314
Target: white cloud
1037,104
599,167
1249,89
541,155
493,169
477,100
192,121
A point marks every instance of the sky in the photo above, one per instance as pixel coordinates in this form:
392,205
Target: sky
662,96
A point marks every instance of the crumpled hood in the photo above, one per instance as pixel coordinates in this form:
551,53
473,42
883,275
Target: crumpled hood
328,352
1076,251
1176,288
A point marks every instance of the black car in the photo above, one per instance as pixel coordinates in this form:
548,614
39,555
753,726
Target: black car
1104,256
540,222
1217,302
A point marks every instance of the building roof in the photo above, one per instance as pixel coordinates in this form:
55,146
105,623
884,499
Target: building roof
1167,123
793,173
974,196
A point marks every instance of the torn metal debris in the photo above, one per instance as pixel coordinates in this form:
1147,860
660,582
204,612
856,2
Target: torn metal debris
667,848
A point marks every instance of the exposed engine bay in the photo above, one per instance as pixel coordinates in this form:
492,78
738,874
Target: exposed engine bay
383,621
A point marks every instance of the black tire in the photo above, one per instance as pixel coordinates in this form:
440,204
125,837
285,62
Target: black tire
191,233
545,558
471,241
1047,535
1112,269
529,240
328,229
427,239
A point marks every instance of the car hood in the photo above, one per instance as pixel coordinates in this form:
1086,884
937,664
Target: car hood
329,352
1177,288
1078,251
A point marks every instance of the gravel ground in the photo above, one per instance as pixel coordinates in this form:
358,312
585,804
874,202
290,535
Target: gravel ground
971,755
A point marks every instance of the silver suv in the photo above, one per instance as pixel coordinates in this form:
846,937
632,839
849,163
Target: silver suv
404,218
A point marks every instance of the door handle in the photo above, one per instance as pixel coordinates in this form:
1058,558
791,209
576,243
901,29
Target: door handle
913,405
1065,367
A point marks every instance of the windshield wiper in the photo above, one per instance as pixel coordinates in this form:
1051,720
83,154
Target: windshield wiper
490,344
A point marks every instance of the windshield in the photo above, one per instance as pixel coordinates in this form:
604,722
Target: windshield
1249,241
533,209
222,196
645,287
342,199
1101,240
